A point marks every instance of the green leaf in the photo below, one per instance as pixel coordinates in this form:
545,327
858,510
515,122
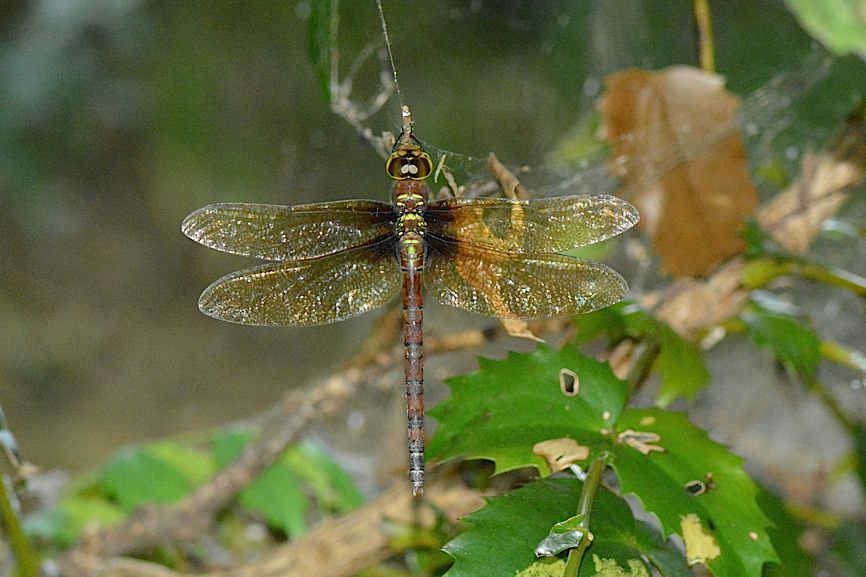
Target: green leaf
505,408
278,495
616,322
320,41
63,524
664,555
680,363
725,519
794,345
562,536
508,406
335,489
859,436
502,536
228,444
785,535
151,474
681,366
838,24
848,548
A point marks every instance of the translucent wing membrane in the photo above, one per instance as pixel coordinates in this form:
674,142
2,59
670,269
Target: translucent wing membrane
277,233
526,227
518,286
308,292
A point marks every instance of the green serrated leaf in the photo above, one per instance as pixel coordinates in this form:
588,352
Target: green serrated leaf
508,406
796,347
665,556
724,525
785,536
502,536
838,24
63,524
321,41
139,475
681,366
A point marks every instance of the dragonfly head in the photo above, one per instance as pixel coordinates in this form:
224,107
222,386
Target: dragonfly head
409,161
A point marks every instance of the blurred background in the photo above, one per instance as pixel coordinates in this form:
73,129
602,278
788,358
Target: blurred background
120,117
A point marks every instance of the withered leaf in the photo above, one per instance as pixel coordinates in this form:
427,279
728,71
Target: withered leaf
676,143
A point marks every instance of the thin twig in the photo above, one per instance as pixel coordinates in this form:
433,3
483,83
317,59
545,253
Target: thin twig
704,32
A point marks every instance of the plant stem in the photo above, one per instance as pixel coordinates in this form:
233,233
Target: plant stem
760,272
584,507
645,354
840,354
27,563
704,31
818,388
832,276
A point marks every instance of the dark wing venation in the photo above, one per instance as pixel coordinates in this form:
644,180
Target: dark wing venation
310,292
530,226
518,286
273,232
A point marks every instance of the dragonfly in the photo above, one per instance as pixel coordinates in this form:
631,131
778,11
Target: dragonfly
336,260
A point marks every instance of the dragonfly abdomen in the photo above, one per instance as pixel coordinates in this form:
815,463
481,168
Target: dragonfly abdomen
412,255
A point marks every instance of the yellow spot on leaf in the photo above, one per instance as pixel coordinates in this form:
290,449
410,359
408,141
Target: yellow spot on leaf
700,545
548,567
610,568
648,421
560,453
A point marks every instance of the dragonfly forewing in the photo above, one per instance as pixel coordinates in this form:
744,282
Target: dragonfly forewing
537,226
308,292
276,233
518,286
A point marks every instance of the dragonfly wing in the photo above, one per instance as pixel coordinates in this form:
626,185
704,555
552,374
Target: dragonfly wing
301,232
518,286
310,292
531,226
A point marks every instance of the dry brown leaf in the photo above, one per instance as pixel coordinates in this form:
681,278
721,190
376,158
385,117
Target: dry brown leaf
676,142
